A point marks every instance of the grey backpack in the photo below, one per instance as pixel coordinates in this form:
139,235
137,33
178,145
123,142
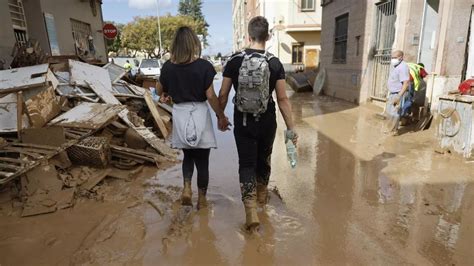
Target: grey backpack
253,93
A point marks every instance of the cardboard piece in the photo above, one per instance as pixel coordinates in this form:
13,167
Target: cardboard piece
42,107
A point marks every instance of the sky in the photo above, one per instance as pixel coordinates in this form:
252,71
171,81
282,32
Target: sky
218,14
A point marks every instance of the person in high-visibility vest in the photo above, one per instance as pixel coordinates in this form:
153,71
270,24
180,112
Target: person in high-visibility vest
417,74
127,66
418,92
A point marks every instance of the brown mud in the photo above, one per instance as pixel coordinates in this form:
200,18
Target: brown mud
357,197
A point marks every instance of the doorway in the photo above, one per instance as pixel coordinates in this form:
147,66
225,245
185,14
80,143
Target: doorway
429,32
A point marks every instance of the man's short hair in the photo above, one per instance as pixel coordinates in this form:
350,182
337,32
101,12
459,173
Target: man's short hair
258,29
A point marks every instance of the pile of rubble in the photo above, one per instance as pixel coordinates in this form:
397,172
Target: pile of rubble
67,125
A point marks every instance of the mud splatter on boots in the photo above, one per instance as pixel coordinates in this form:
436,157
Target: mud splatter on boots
262,195
202,201
187,194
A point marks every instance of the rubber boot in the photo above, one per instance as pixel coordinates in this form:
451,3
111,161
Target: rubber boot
202,201
187,194
262,195
251,221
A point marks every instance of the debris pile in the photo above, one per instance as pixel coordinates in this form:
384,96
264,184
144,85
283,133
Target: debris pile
67,125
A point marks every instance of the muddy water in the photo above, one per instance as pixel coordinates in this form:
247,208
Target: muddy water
357,197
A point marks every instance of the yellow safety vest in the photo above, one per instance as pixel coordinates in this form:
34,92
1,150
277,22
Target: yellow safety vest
415,73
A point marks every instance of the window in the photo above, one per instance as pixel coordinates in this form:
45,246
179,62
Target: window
340,39
307,5
20,36
297,53
83,39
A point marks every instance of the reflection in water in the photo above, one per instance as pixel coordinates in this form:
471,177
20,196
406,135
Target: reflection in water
356,197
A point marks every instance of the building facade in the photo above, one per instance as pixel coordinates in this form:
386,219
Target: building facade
68,27
295,27
358,37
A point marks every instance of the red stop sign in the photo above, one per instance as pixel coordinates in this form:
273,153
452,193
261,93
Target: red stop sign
110,31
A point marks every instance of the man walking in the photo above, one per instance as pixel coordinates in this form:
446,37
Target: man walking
398,86
255,74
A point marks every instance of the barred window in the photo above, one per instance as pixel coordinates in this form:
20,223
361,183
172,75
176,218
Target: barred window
340,39
307,5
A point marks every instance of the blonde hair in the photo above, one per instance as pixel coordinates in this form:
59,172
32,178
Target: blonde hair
186,46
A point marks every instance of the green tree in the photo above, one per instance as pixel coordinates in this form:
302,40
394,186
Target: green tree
193,8
142,33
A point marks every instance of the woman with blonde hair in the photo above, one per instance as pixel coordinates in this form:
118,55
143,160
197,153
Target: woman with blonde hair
186,80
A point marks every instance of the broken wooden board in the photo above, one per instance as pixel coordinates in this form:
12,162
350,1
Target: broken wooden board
104,94
134,154
88,116
12,80
159,145
8,114
116,72
166,107
166,118
156,115
42,107
51,78
95,179
84,74
144,132
52,136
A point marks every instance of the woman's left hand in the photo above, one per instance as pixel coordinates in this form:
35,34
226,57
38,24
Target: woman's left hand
223,123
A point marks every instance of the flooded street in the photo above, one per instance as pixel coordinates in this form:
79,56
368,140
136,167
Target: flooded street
357,197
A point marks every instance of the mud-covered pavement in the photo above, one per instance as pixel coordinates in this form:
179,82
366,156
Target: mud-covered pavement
357,197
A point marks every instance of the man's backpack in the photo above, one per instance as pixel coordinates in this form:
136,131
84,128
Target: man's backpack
253,93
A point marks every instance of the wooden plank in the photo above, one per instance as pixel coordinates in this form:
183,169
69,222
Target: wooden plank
104,94
52,136
156,115
19,113
83,73
9,167
12,80
94,180
149,137
42,107
12,160
88,116
47,148
51,78
166,107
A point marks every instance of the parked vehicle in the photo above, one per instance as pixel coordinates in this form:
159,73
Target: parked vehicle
149,68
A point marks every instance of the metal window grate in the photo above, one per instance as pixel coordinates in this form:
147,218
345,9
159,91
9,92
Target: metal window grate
340,39
17,14
385,18
82,33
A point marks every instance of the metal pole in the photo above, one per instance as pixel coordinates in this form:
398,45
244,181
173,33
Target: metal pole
159,28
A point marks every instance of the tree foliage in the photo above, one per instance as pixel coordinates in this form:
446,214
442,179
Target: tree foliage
193,8
142,33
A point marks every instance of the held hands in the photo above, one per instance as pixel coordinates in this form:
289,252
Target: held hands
223,123
165,98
